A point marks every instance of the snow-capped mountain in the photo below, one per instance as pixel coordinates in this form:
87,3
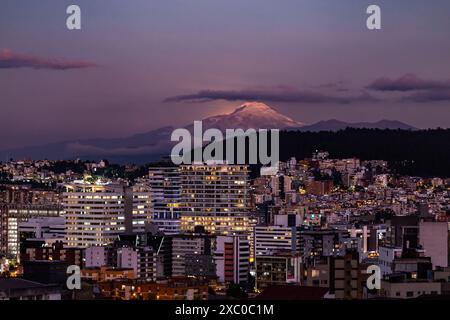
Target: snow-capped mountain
254,115
148,146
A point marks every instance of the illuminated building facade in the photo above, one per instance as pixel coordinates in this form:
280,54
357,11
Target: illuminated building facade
141,201
11,215
165,184
277,269
174,289
216,197
96,213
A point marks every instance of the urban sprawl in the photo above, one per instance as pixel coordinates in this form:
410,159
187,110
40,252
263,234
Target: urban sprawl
305,229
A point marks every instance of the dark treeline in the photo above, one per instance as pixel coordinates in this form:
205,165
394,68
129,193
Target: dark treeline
421,153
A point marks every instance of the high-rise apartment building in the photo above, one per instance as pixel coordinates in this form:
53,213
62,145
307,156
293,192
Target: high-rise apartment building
216,197
140,198
165,183
96,213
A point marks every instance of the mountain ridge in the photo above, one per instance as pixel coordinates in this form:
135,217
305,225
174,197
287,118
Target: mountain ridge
156,143
335,125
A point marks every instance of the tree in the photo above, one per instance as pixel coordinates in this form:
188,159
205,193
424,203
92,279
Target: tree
236,291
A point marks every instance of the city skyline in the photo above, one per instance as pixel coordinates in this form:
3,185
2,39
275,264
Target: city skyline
234,157
151,64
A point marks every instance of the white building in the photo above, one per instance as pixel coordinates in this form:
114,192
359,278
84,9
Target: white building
433,237
231,256
386,257
141,198
141,259
43,227
270,239
96,213
96,257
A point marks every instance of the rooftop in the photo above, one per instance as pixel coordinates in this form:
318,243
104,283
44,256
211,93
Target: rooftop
17,283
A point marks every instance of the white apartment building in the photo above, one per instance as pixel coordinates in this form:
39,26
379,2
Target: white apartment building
270,239
43,227
96,257
141,198
96,213
386,257
142,260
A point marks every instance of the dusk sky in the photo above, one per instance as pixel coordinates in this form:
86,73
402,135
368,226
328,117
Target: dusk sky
142,64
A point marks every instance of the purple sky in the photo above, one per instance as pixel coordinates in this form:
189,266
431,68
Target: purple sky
139,65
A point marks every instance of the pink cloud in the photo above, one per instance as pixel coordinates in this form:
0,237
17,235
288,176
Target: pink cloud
13,60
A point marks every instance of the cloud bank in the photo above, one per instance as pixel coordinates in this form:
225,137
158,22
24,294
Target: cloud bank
269,96
408,82
420,90
13,60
